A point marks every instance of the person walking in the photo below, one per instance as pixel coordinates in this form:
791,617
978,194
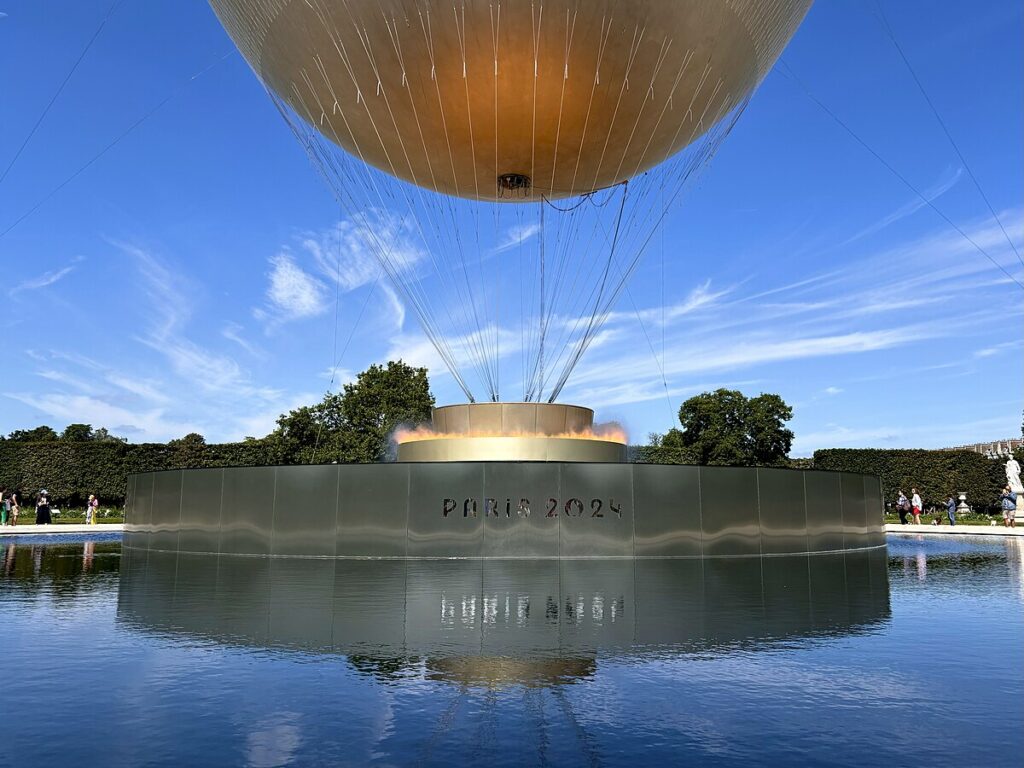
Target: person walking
915,506
1009,504
902,507
951,509
43,509
5,506
14,507
92,510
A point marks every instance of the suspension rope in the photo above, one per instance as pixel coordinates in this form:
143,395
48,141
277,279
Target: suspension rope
60,89
786,70
945,129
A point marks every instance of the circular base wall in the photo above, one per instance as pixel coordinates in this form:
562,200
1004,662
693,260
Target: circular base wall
503,510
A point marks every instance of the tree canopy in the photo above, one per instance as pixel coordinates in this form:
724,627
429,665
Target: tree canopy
726,428
355,425
41,434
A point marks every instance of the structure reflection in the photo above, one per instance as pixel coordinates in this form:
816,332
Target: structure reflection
494,623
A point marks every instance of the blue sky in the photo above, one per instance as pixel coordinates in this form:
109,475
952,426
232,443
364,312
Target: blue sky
174,285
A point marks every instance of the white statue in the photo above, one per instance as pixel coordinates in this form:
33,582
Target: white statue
1013,476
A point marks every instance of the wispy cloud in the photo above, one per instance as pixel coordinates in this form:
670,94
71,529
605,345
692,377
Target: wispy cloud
516,235
233,332
46,279
189,387
945,183
293,294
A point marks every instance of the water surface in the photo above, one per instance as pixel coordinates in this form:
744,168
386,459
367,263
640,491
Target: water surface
915,656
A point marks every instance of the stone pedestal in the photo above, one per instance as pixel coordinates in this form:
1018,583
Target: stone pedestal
1018,516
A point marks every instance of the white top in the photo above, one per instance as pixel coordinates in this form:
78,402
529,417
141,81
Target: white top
916,502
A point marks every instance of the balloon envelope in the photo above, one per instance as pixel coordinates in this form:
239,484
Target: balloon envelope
512,100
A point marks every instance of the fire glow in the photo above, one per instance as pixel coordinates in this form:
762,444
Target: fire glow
610,433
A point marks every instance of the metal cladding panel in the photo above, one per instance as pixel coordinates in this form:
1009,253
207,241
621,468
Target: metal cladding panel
200,510
518,417
516,603
368,617
485,417
855,527
578,419
594,510
166,510
373,510
551,421
786,589
728,502
667,516
824,511
300,602
434,488
247,515
783,511
669,601
874,514
455,418
439,419
444,607
514,510
142,514
305,511
130,537
597,605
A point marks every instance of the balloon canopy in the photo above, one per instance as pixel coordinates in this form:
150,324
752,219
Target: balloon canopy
489,100
508,162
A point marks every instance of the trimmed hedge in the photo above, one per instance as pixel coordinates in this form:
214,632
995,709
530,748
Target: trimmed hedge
935,474
71,471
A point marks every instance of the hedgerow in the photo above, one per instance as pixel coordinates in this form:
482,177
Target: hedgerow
935,474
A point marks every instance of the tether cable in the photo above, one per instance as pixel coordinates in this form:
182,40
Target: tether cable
945,129
60,89
131,128
789,73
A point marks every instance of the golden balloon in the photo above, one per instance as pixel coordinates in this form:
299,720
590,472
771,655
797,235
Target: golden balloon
513,100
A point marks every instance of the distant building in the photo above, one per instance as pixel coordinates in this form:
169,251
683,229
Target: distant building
1000,449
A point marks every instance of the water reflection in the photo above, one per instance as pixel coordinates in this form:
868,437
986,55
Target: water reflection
44,564
495,623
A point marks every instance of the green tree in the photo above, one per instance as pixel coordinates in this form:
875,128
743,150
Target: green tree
381,399
725,427
77,433
355,424
101,435
666,449
188,451
42,434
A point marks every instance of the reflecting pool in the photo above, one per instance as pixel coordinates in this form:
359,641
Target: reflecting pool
911,656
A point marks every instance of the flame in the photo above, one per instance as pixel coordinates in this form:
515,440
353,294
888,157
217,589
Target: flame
611,433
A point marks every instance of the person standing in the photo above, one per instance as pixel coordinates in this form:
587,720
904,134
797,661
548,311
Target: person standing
1009,504
902,507
92,510
915,506
951,509
14,508
5,506
43,509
